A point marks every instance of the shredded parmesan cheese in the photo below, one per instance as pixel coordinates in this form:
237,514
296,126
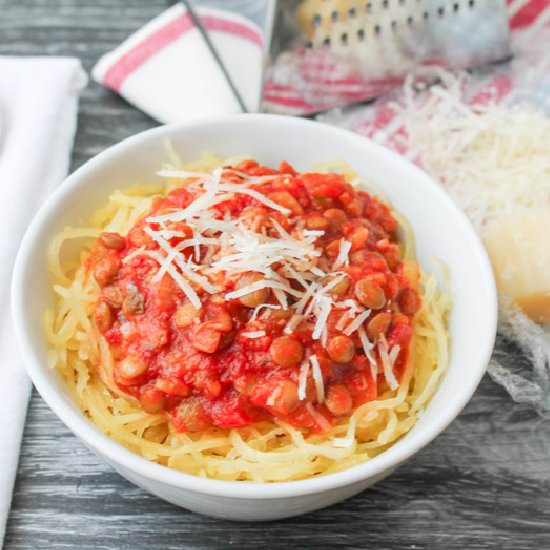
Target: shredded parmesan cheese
293,322
173,254
368,346
192,296
387,363
348,304
342,258
208,199
301,304
254,334
302,380
344,319
394,353
320,323
259,308
281,298
318,378
357,322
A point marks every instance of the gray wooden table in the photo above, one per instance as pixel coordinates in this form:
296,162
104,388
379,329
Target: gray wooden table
484,483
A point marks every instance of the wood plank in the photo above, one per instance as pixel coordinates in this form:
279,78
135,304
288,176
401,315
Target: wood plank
484,482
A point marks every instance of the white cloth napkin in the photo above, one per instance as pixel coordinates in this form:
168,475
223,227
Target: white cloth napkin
38,108
166,69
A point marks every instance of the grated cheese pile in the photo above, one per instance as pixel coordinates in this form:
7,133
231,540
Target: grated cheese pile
493,158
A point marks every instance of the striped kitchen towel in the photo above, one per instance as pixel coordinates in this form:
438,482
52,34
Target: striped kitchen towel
166,69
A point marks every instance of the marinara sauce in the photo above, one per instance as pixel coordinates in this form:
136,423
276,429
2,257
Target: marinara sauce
203,367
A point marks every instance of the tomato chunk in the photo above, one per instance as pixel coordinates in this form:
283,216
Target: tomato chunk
205,338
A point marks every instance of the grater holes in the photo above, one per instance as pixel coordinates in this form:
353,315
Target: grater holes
352,12
385,3
410,20
394,25
335,16
326,42
471,3
344,38
441,12
377,30
368,7
360,35
317,20
455,7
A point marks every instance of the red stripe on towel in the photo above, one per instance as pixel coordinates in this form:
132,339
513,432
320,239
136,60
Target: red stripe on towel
528,13
135,57
150,46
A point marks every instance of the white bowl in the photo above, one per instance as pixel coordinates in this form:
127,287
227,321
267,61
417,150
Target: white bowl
441,230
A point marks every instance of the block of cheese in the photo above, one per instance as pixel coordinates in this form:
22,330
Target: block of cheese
520,255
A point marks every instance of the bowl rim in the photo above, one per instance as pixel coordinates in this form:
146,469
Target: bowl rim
119,455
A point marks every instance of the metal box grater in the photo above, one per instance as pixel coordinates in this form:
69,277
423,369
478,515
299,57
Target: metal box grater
329,53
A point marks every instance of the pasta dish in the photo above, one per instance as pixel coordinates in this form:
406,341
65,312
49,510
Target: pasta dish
248,323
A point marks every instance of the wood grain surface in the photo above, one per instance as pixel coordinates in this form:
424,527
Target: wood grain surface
484,483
